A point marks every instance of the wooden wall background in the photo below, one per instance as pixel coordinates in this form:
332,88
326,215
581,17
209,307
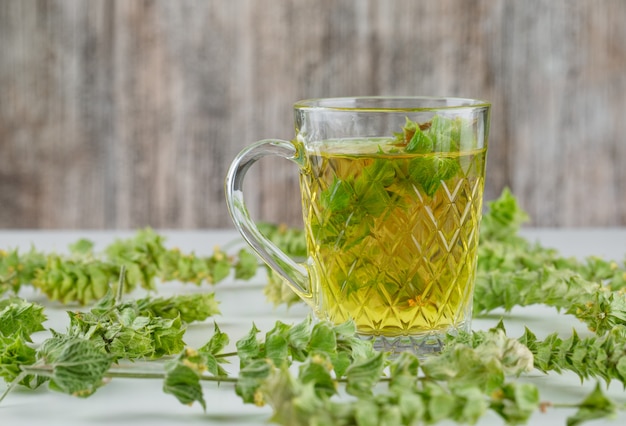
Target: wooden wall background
124,113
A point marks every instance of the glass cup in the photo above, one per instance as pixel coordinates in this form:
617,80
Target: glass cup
392,192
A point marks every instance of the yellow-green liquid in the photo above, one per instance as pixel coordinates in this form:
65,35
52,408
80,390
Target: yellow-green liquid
392,246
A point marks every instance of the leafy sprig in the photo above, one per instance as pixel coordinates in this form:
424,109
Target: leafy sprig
85,276
19,319
302,371
113,330
514,272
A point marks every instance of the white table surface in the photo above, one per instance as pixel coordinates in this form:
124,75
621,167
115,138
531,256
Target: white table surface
142,402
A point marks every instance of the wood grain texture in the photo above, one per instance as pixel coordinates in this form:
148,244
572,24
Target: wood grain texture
124,114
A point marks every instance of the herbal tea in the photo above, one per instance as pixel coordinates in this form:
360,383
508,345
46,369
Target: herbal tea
391,198
392,234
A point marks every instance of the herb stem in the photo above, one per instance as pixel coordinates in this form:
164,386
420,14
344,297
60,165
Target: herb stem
47,371
12,385
226,355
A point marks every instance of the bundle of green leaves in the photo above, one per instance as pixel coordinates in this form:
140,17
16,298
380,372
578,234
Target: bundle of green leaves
304,371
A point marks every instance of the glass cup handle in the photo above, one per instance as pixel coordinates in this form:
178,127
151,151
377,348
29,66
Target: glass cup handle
294,273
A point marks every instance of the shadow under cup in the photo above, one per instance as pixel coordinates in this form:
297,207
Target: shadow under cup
392,192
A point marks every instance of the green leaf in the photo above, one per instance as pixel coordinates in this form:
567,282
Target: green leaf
323,338
366,413
250,379
298,338
276,349
441,404
15,353
189,307
430,171
338,196
515,402
595,406
420,143
248,347
471,405
403,371
246,266
133,330
317,370
182,378
20,317
217,343
363,374
504,218
82,246
167,336
79,367
293,402
445,133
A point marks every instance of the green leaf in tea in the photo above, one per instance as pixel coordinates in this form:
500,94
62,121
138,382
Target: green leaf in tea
420,143
428,172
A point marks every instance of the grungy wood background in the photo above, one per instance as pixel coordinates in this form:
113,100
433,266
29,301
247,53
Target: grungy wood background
124,113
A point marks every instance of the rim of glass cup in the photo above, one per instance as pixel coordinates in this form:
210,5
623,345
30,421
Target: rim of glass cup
391,103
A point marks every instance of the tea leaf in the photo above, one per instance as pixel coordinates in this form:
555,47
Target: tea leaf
429,172
420,143
337,197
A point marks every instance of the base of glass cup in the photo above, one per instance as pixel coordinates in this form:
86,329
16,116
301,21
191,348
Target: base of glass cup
422,345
